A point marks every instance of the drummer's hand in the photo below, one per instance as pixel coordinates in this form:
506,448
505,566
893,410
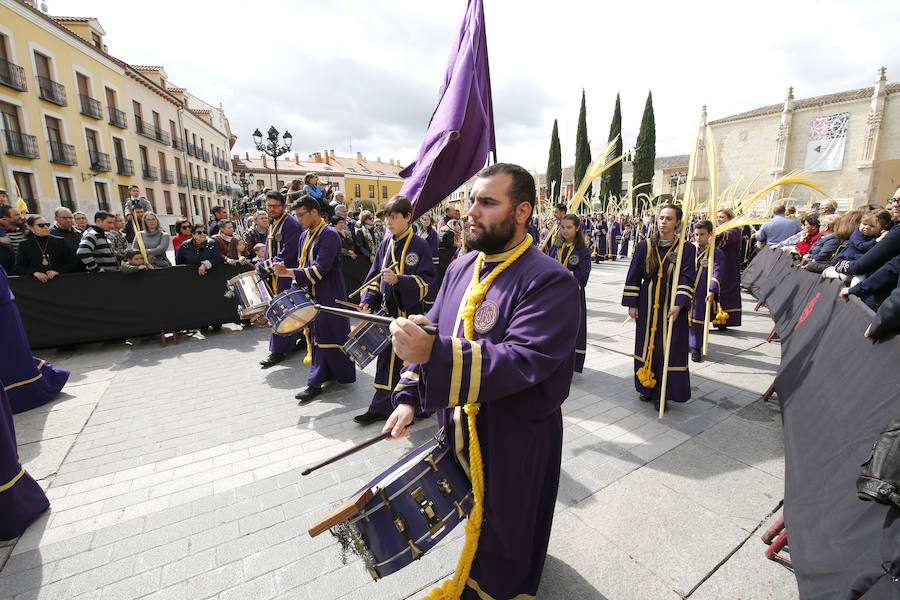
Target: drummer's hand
281,270
389,276
364,307
398,421
411,343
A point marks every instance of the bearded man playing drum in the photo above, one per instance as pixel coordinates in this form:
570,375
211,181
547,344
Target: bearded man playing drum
319,273
508,350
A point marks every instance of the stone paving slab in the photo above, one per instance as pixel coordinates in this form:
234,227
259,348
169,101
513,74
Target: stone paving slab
174,473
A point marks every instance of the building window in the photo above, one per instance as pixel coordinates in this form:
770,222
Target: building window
182,200
96,40
260,183
26,189
102,196
356,190
384,192
371,191
151,199
168,200
64,186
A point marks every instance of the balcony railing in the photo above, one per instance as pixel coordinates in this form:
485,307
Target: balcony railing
99,161
209,185
182,179
196,183
12,75
178,143
150,173
124,166
227,189
117,118
167,176
51,91
220,189
63,154
20,144
90,107
192,149
205,156
150,130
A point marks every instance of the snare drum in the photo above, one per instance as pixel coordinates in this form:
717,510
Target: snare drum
367,341
289,311
252,294
415,503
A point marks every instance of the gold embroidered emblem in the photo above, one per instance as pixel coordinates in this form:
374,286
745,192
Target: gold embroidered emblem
486,316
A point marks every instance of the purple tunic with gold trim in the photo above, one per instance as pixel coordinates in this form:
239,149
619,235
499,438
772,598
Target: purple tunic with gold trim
613,239
578,261
641,293
732,245
319,273
416,273
702,286
282,242
29,381
519,368
432,238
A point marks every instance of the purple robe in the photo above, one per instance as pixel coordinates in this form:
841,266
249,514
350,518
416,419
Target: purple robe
578,261
623,246
613,239
732,246
29,381
640,291
600,249
416,273
431,237
703,284
321,277
519,368
282,242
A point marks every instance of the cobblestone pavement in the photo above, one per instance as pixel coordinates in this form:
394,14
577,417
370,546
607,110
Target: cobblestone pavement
174,473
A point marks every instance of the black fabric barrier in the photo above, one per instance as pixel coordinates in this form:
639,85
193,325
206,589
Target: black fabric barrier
837,392
92,307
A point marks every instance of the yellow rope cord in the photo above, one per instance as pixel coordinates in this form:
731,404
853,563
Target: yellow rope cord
645,373
307,360
453,588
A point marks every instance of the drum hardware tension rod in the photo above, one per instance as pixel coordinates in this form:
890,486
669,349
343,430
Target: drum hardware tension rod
354,449
432,329
373,280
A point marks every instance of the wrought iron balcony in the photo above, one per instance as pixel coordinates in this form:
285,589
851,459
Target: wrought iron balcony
220,189
209,185
20,144
117,118
227,189
99,161
12,75
149,130
90,107
192,150
63,154
205,156
124,166
178,143
182,179
196,183
167,176
150,173
51,91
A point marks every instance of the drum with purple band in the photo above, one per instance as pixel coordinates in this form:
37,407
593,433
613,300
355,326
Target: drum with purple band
414,505
367,341
252,294
289,311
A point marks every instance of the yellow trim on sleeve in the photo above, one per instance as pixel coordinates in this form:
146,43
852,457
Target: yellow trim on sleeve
26,382
474,373
456,373
411,375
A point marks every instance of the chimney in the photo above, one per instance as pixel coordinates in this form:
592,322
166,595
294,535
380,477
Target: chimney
331,153
264,162
296,158
247,156
359,157
379,159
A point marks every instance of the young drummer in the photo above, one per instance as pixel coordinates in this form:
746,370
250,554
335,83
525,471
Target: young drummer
705,287
401,291
575,255
648,294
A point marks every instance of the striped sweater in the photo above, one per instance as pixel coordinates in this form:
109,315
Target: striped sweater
95,251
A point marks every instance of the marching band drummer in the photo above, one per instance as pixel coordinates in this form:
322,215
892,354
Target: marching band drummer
575,255
319,273
401,291
504,352
282,241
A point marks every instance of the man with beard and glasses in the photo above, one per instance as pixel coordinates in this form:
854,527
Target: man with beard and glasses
504,357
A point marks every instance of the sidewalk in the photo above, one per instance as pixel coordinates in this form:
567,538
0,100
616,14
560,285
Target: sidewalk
175,473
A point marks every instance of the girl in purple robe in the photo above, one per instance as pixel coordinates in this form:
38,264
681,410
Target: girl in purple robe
600,241
613,239
575,255
430,235
29,381
732,246
648,295
705,287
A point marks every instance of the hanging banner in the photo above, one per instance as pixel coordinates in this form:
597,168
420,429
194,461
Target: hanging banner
827,138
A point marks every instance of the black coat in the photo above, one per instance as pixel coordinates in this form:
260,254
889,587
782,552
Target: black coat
887,319
29,259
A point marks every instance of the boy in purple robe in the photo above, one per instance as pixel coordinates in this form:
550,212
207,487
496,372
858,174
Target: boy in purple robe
648,293
732,245
401,292
319,274
613,238
430,235
517,367
575,255
282,242
705,287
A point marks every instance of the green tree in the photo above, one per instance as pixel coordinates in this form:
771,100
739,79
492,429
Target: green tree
611,180
554,164
582,148
645,152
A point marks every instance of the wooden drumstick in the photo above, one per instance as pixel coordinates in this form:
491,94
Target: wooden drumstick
380,319
353,450
371,281
350,304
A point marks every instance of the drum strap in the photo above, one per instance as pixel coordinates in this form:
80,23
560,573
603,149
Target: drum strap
453,588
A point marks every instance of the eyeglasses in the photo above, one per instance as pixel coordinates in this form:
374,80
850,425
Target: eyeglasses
200,232
270,205
185,227
42,224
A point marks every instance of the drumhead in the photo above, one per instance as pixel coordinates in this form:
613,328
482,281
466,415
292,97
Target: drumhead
411,461
297,319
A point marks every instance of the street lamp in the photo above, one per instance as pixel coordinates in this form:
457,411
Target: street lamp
271,147
244,180
676,179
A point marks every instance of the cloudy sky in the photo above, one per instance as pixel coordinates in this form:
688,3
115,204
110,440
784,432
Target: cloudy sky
367,72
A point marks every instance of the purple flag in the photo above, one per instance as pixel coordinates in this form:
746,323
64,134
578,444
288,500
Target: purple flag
461,132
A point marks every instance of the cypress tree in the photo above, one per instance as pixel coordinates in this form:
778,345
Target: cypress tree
645,153
611,180
554,165
582,147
